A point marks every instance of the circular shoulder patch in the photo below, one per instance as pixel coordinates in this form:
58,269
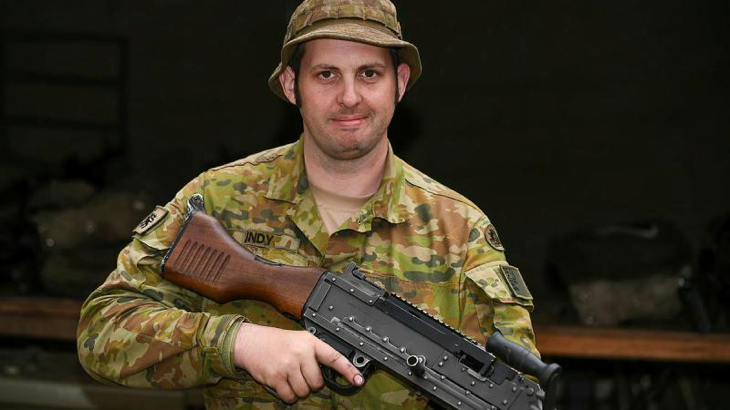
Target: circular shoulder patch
492,238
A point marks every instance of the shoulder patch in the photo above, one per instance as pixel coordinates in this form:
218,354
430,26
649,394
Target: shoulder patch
492,238
151,220
513,278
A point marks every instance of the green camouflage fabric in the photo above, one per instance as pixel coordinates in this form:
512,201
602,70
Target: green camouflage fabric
414,237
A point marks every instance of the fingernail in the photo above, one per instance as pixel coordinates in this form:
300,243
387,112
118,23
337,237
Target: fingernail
359,380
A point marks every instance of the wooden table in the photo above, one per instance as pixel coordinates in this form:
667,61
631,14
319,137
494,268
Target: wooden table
53,318
632,344
38,317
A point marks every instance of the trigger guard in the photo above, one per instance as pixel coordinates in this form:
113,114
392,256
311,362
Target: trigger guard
330,378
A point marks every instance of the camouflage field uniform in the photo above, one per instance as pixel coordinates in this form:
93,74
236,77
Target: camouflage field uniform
414,237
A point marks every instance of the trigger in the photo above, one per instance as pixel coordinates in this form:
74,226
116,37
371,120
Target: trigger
330,378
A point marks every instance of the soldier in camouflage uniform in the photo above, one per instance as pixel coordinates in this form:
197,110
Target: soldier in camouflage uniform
410,234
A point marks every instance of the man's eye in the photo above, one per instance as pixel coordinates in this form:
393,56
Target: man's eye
370,74
326,75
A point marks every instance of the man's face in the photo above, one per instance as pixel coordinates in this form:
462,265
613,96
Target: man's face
347,91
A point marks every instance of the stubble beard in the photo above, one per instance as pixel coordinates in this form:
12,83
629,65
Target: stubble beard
339,144
346,144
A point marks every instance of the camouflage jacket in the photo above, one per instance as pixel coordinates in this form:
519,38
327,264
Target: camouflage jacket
414,237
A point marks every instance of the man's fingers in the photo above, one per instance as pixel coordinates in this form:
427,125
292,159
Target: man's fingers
285,393
332,358
298,384
313,375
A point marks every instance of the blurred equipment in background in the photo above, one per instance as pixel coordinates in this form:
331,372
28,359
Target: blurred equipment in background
630,274
81,238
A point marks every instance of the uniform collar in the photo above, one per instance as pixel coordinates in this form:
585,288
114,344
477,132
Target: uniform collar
289,183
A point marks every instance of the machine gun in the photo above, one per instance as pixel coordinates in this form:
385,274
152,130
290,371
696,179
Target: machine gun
368,325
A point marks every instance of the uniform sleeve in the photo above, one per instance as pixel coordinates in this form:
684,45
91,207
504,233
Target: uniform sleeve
495,293
140,330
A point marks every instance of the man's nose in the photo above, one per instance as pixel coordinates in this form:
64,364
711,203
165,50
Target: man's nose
350,94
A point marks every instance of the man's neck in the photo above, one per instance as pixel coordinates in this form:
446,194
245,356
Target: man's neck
355,177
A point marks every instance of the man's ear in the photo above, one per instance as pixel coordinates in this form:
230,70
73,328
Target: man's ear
404,73
287,79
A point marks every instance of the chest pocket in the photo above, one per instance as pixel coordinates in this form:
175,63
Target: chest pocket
284,256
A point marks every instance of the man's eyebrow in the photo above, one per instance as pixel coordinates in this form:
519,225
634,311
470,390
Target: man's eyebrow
322,67
371,65
326,66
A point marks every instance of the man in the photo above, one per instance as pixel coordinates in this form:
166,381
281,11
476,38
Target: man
337,195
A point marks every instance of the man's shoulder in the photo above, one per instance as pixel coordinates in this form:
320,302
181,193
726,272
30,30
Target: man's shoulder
250,174
264,157
428,190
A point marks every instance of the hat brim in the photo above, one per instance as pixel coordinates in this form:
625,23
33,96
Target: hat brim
407,52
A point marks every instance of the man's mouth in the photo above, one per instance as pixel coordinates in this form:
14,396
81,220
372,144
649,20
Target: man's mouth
348,121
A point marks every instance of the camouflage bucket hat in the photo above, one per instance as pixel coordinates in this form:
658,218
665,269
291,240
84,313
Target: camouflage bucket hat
365,21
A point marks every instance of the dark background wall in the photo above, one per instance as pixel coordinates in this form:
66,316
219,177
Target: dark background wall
551,116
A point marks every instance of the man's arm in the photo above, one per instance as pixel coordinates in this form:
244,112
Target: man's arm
139,330
490,301
142,331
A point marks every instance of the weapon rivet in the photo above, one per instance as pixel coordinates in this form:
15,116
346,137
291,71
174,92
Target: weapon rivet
463,369
331,307
314,315
337,329
468,392
352,290
493,408
446,358
402,349
441,363
350,318
434,388
367,329
504,402
472,383
334,279
514,389
425,377
385,359
370,302
385,339
443,377
458,403
491,385
362,344
410,373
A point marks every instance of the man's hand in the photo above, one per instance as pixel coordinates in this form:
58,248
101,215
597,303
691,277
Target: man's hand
288,361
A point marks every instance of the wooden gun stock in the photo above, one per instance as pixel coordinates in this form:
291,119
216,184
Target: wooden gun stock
205,258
